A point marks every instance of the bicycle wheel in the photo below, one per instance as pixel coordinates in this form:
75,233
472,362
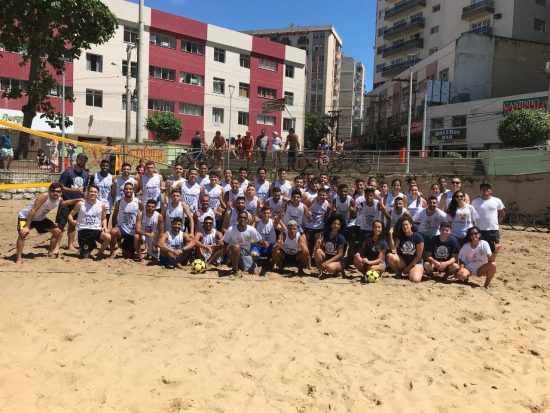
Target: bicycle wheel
361,166
301,164
335,166
209,161
186,161
519,221
542,223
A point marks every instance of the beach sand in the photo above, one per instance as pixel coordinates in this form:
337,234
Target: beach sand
119,336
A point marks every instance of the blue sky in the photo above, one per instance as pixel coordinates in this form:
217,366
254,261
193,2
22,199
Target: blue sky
354,20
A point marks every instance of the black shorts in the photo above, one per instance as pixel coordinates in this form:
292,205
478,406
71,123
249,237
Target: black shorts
263,153
313,231
62,216
87,239
292,154
41,227
127,241
351,234
290,259
492,237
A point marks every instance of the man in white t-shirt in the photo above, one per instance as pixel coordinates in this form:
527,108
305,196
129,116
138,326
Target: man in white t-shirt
491,212
429,219
239,240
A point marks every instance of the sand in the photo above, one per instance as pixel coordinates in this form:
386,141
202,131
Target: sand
126,337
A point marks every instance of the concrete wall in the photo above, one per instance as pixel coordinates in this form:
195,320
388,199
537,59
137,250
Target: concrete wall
519,67
473,66
525,13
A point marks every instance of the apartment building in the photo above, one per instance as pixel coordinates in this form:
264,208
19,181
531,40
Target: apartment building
323,48
408,31
211,77
352,85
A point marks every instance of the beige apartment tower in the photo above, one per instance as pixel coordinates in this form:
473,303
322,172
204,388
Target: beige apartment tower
352,86
324,61
408,31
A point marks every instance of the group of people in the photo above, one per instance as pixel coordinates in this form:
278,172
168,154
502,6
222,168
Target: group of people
310,221
246,147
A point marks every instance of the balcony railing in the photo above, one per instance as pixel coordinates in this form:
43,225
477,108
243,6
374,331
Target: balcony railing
400,28
483,30
403,7
478,9
399,67
416,43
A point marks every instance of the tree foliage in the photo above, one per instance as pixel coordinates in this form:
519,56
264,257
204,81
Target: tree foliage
524,128
165,126
317,125
57,29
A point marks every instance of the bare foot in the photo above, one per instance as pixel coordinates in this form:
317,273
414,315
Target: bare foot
19,261
72,248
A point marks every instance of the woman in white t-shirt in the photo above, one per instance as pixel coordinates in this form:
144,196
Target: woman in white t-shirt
461,215
475,258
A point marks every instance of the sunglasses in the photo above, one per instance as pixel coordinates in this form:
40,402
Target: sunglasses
474,233
455,182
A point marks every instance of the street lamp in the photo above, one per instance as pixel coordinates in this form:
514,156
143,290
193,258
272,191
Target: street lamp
231,90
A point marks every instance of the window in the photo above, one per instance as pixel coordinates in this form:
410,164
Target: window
436,8
217,115
162,73
94,62
289,71
133,103
7,84
192,47
288,124
459,121
380,67
130,34
219,55
244,90
433,50
268,64
437,123
191,79
267,93
94,98
289,98
265,120
540,25
244,61
541,2
161,105
243,118
444,74
219,85
434,30
162,40
189,109
133,68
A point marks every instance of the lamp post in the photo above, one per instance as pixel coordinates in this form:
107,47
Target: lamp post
409,122
231,90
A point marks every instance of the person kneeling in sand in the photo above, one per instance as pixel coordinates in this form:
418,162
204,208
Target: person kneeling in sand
475,258
291,248
175,245
441,252
91,221
372,253
239,239
33,216
208,242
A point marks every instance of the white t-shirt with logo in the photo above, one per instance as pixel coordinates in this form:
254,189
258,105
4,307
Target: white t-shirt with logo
488,212
474,258
244,239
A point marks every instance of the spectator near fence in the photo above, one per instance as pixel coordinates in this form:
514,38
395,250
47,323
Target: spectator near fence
7,151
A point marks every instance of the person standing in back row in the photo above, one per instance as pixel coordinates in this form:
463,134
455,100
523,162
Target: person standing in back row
261,144
491,212
196,147
292,145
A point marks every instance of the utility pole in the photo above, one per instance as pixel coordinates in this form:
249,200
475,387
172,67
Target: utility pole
128,100
335,118
424,126
140,76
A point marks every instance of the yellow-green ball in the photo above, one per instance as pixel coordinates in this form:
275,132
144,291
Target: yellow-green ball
198,265
372,276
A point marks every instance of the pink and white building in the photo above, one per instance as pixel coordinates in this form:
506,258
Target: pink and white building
211,77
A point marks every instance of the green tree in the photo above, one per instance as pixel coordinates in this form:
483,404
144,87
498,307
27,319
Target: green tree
524,128
317,125
165,126
58,29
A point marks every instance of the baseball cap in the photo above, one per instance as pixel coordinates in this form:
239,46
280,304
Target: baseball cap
275,133
82,156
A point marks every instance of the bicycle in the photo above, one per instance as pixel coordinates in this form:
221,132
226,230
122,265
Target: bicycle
356,161
323,162
516,220
541,223
190,158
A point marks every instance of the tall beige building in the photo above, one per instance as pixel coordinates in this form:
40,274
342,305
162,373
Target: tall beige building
324,61
352,85
408,31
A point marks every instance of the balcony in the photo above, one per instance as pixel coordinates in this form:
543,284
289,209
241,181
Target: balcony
479,9
417,43
483,30
406,6
404,27
399,67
